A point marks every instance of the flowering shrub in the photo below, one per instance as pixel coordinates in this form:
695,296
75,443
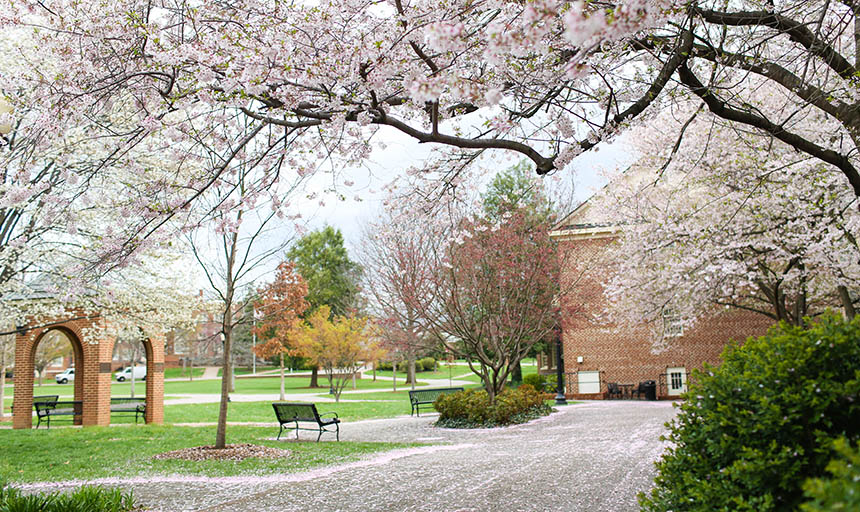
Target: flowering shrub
471,408
753,429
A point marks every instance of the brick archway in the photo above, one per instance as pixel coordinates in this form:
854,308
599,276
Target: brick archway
92,372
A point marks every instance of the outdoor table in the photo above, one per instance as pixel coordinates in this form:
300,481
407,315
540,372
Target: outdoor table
626,390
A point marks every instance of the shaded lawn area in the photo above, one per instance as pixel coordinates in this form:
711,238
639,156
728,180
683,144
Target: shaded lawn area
97,452
177,373
262,412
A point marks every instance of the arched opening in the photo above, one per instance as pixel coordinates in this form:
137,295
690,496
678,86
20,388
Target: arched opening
93,372
49,345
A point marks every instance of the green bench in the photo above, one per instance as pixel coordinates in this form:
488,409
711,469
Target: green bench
46,410
419,397
304,413
129,406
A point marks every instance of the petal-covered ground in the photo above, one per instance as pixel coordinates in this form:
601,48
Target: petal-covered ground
585,457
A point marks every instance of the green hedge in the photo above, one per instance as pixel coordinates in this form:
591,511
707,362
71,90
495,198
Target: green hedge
841,491
84,499
754,428
471,408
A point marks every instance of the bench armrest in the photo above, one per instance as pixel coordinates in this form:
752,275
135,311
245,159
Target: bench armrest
328,414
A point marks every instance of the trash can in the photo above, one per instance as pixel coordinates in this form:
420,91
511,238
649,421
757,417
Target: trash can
650,390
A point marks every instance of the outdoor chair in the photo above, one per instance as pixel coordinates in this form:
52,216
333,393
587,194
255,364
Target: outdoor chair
614,390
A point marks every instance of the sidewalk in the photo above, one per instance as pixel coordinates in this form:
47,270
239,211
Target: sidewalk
586,457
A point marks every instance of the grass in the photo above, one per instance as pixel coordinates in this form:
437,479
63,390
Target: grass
97,452
261,412
177,373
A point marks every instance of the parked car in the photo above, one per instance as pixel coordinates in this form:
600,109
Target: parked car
65,376
125,373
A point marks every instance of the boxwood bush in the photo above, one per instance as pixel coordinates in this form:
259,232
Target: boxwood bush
471,408
84,499
754,428
841,491
535,380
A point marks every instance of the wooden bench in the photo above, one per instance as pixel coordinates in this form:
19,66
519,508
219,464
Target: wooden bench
129,405
419,397
47,410
306,413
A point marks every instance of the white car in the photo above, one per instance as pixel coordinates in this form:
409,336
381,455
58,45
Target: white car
125,374
65,376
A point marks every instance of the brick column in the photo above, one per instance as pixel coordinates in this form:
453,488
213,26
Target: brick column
154,380
97,374
22,401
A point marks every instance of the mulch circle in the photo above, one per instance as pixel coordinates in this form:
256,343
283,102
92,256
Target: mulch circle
236,452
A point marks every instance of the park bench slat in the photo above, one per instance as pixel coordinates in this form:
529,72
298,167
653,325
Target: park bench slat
418,397
288,412
46,410
129,405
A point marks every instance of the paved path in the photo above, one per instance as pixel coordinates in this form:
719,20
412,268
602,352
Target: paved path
594,456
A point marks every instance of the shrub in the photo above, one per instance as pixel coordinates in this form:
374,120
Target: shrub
385,366
842,490
535,380
428,363
471,408
753,429
84,499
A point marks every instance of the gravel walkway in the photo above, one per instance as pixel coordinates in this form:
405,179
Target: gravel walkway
594,456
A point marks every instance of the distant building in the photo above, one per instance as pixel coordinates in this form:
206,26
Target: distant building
597,352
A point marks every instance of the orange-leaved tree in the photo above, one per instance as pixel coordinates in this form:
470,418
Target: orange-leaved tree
338,346
281,303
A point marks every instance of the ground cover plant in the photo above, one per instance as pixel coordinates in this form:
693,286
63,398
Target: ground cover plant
755,428
100,452
472,408
83,499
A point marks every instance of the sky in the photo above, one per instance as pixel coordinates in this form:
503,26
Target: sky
584,176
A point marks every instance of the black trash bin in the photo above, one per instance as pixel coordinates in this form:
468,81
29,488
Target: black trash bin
650,390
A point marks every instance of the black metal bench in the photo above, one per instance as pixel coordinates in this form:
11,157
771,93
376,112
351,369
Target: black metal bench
306,413
129,405
47,410
419,397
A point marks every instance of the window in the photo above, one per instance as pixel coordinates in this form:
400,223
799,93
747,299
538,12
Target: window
677,380
673,325
589,382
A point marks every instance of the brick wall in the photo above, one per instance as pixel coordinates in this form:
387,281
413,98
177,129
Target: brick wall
623,354
92,374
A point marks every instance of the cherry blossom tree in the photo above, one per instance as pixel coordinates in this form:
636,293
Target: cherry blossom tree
280,305
397,258
547,79
705,225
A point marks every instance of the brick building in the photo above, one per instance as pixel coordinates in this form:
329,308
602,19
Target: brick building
598,352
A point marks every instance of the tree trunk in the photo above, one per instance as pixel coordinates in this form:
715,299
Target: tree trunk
847,303
283,394
315,382
394,375
227,329
226,374
410,372
517,374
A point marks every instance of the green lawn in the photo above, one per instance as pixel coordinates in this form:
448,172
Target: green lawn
178,373
97,452
262,411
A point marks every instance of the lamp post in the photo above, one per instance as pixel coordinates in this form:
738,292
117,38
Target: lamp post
559,372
